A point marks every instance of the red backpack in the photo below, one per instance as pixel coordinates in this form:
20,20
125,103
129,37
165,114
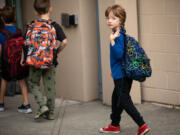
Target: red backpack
11,53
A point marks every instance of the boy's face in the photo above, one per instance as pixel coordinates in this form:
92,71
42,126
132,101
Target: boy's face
112,21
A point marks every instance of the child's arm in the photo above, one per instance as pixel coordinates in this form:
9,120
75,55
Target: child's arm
117,46
61,37
62,45
22,58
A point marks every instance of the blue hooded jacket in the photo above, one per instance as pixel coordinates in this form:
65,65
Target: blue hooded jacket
116,56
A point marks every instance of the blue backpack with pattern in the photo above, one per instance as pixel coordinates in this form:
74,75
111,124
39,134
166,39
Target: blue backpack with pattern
136,64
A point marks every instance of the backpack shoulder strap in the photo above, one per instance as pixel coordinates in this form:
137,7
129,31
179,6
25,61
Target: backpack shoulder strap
18,32
5,32
50,22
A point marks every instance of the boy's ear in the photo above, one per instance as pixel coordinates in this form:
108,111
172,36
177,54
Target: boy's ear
50,9
36,13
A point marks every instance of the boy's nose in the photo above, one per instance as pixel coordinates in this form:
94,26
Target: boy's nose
109,20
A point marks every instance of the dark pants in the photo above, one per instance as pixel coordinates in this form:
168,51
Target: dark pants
121,100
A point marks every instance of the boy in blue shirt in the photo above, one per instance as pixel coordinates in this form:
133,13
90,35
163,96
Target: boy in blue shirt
8,17
121,99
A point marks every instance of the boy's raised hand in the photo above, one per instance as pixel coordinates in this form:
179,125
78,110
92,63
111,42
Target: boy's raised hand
114,35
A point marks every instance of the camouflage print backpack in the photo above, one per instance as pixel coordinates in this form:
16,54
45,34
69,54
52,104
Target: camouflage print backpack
40,44
136,64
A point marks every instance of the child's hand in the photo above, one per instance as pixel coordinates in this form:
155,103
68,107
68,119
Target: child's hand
113,36
111,74
22,62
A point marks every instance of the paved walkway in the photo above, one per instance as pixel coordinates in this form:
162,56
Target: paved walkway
76,118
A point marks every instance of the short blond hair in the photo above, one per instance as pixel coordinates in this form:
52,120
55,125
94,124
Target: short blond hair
119,12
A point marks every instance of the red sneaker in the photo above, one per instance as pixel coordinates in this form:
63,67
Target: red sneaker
110,128
143,130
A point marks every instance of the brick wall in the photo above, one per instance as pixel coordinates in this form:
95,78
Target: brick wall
159,34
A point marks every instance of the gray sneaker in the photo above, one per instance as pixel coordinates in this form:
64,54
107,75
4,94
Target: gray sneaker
43,110
49,116
25,109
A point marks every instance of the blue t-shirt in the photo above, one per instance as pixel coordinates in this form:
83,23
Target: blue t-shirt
11,29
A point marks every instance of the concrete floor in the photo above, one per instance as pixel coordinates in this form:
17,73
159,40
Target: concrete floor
76,118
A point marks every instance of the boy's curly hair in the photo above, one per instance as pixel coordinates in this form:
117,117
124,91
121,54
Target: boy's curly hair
119,12
42,6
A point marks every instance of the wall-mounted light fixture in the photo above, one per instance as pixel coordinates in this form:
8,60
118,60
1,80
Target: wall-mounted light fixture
69,19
